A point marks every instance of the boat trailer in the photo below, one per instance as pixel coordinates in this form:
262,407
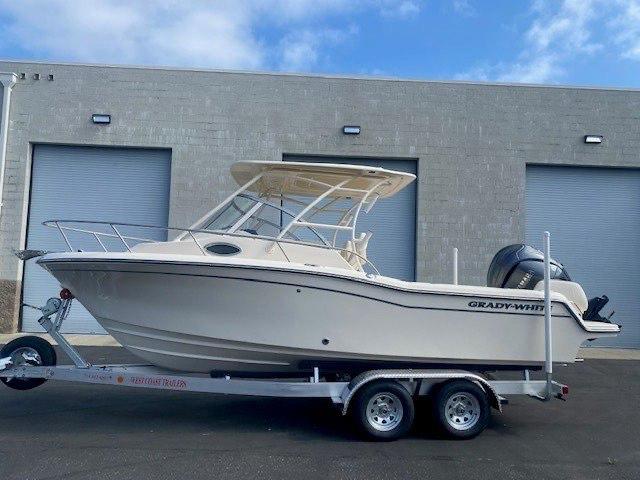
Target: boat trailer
381,401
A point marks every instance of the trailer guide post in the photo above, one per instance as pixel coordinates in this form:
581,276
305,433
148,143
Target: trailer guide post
548,364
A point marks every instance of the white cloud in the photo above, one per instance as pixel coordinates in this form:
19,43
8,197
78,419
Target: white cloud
117,31
559,31
399,9
552,40
482,73
198,33
287,11
627,27
300,50
463,7
568,28
538,70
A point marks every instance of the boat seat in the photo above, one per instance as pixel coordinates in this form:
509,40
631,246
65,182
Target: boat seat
355,251
572,290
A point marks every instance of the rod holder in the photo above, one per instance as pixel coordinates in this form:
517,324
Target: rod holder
455,265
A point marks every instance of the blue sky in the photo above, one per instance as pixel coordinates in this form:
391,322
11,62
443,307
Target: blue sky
580,42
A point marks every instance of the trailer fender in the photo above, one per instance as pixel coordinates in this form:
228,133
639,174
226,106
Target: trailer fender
440,376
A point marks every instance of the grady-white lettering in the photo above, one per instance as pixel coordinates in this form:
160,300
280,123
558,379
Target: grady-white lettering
527,307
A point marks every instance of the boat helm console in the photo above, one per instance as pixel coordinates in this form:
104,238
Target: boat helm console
521,266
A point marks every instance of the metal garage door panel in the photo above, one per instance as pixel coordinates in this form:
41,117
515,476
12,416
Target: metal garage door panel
593,215
392,221
89,183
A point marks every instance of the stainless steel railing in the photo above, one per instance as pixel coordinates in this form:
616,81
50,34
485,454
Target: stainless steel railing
65,226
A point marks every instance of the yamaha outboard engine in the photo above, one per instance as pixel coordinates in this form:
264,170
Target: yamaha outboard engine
522,266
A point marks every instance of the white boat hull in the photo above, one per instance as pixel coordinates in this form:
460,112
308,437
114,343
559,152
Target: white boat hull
201,316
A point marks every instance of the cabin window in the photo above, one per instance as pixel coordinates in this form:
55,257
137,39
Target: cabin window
228,217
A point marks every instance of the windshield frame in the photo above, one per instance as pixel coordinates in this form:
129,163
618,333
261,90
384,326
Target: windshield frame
256,208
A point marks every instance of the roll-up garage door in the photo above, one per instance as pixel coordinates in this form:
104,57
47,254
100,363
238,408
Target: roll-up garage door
593,215
127,185
392,220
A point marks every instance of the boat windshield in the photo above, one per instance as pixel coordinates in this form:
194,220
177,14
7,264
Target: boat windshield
256,216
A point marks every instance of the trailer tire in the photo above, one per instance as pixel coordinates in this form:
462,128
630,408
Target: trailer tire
461,409
383,410
43,353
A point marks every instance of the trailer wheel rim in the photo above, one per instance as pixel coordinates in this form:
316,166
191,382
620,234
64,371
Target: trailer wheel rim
462,411
24,356
384,411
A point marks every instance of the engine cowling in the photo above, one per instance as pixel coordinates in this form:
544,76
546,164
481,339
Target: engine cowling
521,266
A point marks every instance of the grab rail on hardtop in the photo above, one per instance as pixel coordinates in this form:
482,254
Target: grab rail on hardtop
59,224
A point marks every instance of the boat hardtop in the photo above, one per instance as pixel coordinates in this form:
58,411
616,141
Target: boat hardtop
313,179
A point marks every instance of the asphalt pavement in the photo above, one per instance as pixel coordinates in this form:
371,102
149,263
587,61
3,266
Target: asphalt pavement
73,431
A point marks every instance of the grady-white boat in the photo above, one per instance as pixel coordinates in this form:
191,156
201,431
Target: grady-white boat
276,279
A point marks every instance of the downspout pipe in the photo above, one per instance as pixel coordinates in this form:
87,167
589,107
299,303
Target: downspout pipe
8,80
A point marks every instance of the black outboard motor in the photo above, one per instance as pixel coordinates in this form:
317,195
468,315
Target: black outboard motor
593,310
521,266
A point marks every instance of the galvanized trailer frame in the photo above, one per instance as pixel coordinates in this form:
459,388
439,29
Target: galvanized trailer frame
417,382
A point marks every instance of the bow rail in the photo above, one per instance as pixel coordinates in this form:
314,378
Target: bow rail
63,225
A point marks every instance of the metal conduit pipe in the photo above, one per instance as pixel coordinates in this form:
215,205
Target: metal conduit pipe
8,80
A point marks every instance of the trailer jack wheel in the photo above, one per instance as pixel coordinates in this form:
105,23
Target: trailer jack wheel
25,351
384,410
461,409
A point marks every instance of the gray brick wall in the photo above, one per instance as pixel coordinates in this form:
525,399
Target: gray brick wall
472,141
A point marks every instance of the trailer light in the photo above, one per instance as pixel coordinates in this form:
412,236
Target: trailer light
101,118
593,139
351,130
65,294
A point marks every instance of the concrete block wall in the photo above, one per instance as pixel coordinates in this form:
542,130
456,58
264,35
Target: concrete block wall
472,142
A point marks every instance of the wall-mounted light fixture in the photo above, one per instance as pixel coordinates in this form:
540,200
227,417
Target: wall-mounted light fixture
101,118
593,139
351,130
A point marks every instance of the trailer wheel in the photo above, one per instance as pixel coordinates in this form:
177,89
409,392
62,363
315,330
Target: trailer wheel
384,410
461,409
28,351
